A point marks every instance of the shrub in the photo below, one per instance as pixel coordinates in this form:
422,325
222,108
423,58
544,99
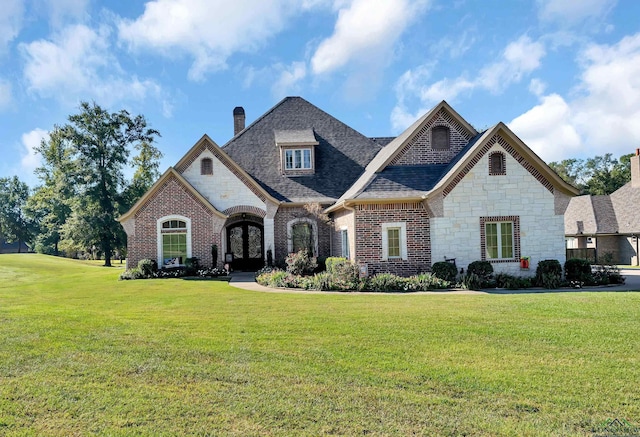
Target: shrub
607,274
385,282
148,267
301,263
479,275
511,282
332,261
134,273
278,278
444,270
549,273
192,265
426,282
578,270
320,282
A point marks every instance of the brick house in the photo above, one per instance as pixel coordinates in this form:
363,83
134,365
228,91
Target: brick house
299,178
608,224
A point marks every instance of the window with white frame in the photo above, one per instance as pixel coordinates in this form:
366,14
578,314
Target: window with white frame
500,238
297,159
174,240
394,241
344,240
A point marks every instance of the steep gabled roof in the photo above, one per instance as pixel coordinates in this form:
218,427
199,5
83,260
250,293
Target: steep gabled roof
207,143
160,183
341,155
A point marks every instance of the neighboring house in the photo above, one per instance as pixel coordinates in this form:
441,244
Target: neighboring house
441,190
608,224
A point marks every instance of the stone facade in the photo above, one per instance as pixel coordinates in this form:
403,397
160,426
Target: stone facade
518,193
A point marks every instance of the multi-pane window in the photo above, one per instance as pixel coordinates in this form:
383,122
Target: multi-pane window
297,159
302,237
174,242
499,240
393,242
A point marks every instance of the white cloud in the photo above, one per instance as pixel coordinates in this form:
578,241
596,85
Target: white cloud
567,13
518,59
537,87
63,10
289,78
11,16
30,158
366,32
602,117
77,63
209,31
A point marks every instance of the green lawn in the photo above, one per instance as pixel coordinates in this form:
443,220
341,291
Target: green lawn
82,353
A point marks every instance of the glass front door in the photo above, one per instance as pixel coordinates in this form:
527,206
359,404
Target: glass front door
245,241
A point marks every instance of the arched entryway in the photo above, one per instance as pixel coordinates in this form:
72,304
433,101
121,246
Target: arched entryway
245,242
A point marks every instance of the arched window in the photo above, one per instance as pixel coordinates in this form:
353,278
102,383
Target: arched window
174,240
497,164
440,138
303,235
206,166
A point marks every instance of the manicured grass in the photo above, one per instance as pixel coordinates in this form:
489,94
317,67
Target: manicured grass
82,353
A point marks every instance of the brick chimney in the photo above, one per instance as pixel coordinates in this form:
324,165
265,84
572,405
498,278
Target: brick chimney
635,170
238,119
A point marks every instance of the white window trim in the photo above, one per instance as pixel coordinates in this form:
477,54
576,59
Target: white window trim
159,235
314,227
344,230
499,231
302,167
403,240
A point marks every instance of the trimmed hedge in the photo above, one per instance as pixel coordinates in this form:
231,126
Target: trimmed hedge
444,270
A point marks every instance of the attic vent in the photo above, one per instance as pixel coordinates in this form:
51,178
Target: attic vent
440,138
206,166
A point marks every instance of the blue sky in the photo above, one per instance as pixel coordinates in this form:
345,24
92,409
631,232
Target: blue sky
563,74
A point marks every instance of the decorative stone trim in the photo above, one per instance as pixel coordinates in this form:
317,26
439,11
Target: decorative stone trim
497,139
516,238
246,209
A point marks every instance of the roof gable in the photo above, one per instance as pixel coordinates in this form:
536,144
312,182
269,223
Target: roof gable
341,153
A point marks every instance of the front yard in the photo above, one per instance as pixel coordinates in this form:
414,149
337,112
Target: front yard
83,353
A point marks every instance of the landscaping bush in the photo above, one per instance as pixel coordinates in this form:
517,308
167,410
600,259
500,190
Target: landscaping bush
511,282
343,273
148,267
578,271
134,273
444,270
279,278
607,274
426,282
301,263
479,275
319,282
549,274
192,265
385,282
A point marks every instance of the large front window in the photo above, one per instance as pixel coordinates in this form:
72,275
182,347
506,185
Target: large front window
297,159
302,236
500,238
174,246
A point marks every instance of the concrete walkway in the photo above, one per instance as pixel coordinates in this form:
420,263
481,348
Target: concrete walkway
246,281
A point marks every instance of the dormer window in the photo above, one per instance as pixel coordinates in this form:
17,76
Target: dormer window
440,138
297,159
206,166
297,151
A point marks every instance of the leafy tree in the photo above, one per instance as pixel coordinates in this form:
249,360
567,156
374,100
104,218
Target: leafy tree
14,223
51,203
597,175
101,143
146,164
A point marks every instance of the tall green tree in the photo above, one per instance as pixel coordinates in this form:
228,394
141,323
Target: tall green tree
102,142
14,223
571,170
146,164
51,203
597,175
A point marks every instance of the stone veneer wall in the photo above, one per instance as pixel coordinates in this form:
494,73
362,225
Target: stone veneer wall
368,241
283,216
173,198
521,193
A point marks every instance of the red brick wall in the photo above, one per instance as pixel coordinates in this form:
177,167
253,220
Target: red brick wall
286,214
369,219
172,198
